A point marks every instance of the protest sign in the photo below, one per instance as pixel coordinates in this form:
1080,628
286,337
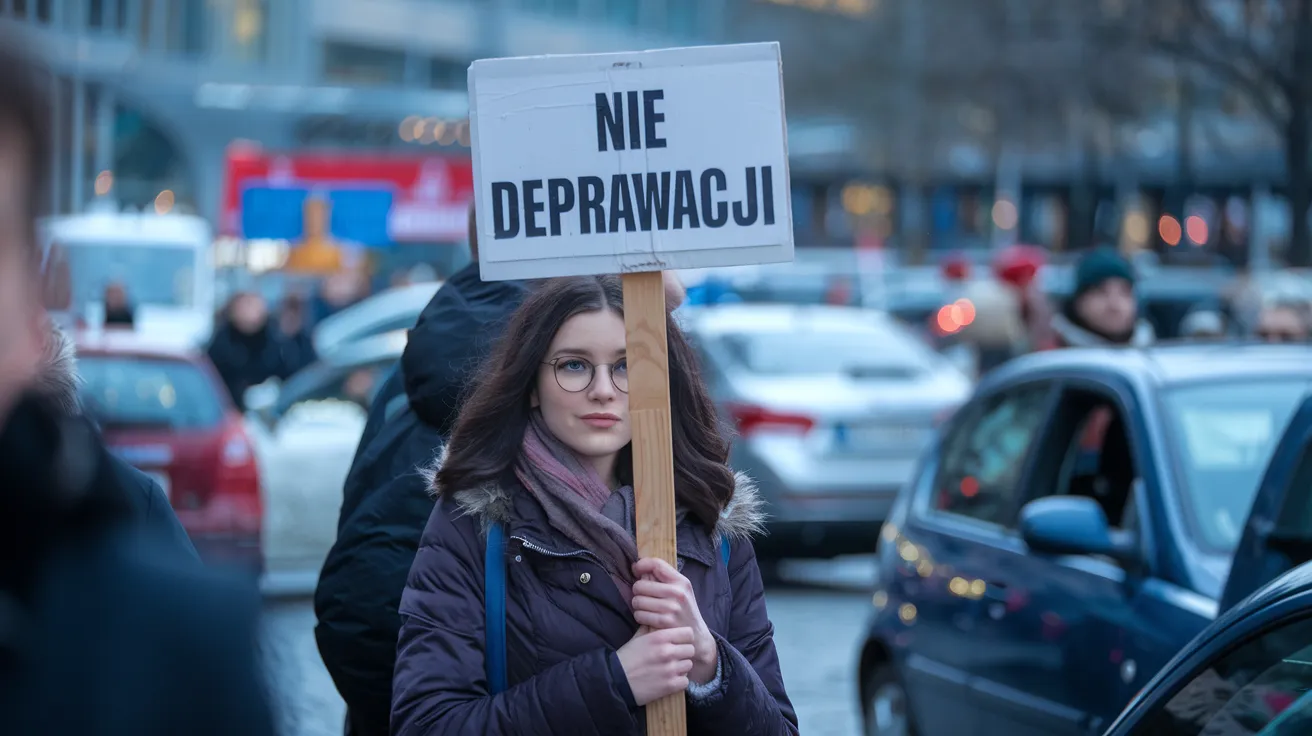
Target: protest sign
614,163
633,163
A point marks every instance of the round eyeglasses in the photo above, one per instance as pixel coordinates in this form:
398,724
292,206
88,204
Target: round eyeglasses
577,374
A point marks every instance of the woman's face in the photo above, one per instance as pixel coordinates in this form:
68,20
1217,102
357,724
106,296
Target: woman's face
582,388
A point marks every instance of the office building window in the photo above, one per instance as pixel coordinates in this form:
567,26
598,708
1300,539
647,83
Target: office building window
354,64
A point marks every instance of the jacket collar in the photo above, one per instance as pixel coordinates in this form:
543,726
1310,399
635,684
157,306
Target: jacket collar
1078,337
508,503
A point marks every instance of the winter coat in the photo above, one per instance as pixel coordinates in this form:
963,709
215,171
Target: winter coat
243,360
565,620
108,631
385,501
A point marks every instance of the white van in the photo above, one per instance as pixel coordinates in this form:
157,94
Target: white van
164,262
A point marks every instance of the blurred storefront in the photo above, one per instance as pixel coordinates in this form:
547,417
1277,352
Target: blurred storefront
151,92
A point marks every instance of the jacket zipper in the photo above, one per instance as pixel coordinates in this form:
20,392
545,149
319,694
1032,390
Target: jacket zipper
578,553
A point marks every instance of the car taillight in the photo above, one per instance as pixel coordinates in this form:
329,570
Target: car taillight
752,419
237,480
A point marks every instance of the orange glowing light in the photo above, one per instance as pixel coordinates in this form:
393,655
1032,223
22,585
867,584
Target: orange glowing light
1196,228
1169,228
967,308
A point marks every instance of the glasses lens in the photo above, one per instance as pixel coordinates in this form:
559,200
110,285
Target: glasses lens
573,374
619,373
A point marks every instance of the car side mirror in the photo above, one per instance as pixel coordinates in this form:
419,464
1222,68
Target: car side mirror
1073,525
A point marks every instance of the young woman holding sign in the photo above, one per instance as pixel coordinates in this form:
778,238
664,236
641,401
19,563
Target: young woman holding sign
527,609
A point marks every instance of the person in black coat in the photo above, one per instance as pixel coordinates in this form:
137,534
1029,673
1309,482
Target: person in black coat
385,503
102,633
109,631
57,383
246,349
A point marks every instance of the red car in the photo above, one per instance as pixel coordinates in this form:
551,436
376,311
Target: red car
164,410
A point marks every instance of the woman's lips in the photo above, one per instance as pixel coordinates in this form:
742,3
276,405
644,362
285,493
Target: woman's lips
601,421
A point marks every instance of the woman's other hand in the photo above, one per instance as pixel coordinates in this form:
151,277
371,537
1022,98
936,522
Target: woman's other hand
663,599
657,663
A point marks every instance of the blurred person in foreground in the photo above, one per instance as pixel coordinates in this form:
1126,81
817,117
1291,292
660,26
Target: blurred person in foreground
118,308
1282,321
997,333
100,636
1017,267
1103,309
246,348
386,502
57,383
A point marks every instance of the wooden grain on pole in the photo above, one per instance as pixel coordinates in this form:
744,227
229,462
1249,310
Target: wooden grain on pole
653,453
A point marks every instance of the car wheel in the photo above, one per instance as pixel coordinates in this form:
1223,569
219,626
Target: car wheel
886,710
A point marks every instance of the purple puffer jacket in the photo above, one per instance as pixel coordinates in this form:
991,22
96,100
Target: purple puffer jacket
565,620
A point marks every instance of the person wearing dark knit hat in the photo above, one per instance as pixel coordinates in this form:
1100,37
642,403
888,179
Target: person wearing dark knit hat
1103,309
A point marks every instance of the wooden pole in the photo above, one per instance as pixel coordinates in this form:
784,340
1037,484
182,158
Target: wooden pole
653,453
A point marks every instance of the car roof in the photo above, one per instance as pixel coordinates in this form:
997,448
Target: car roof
386,305
773,318
384,346
1168,363
135,344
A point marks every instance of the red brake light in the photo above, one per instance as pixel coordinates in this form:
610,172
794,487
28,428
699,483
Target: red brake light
751,419
237,479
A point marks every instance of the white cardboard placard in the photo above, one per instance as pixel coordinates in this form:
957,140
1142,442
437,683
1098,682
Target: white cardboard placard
642,161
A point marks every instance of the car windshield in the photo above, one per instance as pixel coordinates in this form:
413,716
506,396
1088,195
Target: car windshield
133,392
1223,435
869,354
158,275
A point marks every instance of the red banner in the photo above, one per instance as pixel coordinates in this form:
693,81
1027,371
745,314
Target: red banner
432,193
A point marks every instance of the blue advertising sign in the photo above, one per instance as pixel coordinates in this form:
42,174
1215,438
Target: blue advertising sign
358,215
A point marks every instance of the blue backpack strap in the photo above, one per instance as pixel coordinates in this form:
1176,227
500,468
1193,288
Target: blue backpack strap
724,550
494,613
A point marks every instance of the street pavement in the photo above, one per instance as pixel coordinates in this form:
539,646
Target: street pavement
818,613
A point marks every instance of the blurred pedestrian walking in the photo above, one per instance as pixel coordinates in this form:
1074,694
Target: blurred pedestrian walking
246,348
295,339
101,635
1282,321
118,306
1103,309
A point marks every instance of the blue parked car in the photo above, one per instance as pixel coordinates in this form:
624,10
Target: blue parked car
1071,529
1248,673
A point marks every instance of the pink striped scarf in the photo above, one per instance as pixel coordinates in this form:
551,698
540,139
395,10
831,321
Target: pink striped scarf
574,497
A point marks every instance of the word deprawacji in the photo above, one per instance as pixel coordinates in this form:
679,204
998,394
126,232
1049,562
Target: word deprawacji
636,202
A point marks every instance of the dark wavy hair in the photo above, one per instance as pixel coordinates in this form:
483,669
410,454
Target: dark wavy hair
486,439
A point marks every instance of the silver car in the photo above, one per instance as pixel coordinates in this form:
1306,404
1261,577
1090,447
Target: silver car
832,406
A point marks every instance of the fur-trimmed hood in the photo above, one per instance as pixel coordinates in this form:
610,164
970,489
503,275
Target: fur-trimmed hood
1078,337
490,503
58,381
